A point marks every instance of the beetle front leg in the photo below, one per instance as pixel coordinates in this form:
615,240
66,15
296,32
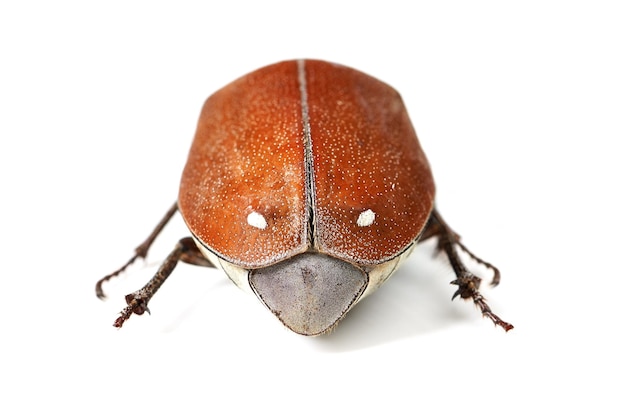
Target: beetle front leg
140,252
467,282
186,251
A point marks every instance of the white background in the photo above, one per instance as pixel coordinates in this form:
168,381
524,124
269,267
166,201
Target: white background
520,107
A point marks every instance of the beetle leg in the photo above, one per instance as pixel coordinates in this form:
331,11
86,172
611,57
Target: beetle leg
468,283
140,252
137,302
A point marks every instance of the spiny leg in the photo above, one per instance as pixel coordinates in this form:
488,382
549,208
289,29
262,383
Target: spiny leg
140,252
467,282
137,302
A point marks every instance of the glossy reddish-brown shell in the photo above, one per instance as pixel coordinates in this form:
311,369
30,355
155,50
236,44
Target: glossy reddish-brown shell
306,146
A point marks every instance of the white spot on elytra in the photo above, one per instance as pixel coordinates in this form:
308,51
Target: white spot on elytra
366,218
257,220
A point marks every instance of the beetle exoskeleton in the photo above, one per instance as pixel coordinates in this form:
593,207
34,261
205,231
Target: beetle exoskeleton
307,185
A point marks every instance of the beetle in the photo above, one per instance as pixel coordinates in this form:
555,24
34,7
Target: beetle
306,184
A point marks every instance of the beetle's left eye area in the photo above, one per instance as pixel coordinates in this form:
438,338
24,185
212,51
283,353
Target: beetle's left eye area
256,220
366,218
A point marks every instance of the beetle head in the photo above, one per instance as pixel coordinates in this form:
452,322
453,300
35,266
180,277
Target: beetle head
310,292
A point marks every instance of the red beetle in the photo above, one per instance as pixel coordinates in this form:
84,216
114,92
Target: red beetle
307,185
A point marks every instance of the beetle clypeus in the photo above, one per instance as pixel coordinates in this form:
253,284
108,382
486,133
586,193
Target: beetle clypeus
307,185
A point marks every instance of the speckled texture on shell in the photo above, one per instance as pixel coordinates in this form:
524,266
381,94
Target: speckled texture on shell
366,157
248,157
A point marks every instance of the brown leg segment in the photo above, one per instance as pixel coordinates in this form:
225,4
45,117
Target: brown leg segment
140,252
467,282
185,250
